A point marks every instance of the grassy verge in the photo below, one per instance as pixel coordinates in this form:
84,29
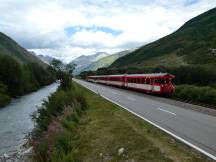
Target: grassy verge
203,94
106,132
56,122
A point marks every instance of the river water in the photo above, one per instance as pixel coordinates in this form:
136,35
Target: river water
15,119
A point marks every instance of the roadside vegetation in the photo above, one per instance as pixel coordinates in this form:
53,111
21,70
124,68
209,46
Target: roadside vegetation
77,125
193,82
56,120
17,79
203,94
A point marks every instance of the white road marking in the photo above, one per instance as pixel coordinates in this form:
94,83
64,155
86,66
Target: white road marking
114,92
130,98
163,129
166,111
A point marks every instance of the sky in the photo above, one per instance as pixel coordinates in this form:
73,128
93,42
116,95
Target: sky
66,29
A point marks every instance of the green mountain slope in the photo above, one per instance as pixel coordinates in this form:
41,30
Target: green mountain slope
193,43
11,48
106,61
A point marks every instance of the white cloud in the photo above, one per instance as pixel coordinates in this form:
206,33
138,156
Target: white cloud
40,25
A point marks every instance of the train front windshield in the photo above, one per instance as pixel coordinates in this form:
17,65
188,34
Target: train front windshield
163,81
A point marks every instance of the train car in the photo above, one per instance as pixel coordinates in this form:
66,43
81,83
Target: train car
157,83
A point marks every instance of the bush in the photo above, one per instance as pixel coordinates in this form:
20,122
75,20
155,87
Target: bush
4,98
65,79
201,94
53,107
56,123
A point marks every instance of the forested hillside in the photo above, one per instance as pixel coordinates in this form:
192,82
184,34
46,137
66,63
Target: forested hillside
11,48
20,71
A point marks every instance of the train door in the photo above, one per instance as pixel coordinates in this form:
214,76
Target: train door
124,81
152,84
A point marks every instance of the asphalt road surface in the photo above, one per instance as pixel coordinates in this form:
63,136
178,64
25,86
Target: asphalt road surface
196,129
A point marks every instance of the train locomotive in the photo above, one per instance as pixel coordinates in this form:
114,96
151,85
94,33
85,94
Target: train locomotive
156,83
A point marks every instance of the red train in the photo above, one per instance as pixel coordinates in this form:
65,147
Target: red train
157,83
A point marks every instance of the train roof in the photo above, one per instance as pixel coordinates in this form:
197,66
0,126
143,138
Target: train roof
137,75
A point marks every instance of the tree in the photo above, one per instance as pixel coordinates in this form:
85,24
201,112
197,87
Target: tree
70,68
64,73
4,98
11,75
57,64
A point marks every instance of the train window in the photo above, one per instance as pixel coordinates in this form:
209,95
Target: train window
167,80
147,81
140,81
160,81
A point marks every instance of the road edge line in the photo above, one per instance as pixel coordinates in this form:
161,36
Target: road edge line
161,128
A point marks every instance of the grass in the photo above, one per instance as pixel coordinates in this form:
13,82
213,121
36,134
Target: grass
98,133
171,60
105,128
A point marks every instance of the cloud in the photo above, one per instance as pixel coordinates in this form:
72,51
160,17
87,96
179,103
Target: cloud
67,29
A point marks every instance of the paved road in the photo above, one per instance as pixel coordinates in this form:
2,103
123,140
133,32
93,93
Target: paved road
191,127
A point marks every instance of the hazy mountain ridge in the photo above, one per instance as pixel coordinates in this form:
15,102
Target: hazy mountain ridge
107,61
193,43
83,61
9,47
47,59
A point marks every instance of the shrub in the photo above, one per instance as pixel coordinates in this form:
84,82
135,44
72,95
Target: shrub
201,94
56,123
53,107
4,98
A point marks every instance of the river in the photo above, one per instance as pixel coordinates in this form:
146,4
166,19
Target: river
15,119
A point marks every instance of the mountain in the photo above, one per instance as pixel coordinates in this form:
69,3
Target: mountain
106,61
83,61
11,48
193,43
46,59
